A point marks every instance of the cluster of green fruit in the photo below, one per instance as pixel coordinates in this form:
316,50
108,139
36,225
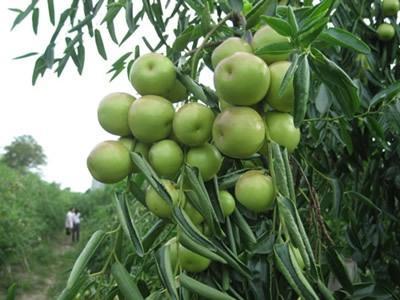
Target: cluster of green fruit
386,32
248,88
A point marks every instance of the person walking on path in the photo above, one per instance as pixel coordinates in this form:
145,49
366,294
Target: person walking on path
76,225
69,221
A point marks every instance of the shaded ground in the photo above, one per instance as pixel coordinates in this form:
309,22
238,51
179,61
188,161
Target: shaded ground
45,281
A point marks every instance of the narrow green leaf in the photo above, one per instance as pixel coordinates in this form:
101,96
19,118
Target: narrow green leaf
100,44
69,293
336,196
345,135
290,269
279,25
50,6
203,290
288,218
206,20
280,171
388,93
317,13
81,57
244,227
301,84
228,180
83,258
186,225
125,282
11,292
193,87
48,56
288,78
127,223
276,49
292,20
39,69
325,292
16,10
376,130
338,268
340,84
200,199
151,177
25,55
153,233
183,39
111,32
136,190
341,37
202,250
66,13
22,15
306,37
289,176
87,21
364,199
35,20
262,7
129,15
112,11
163,263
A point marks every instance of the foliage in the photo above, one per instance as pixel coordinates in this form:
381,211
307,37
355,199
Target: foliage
341,198
24,153
31,211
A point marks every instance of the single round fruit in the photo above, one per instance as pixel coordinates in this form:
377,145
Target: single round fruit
230,46
285,102
266,36
386,32
193,123
128,142
109,162
390,7
173,246
142,149
152,74
255,191
150,118
166,158
193,213
157,205
112,113
192,262
206,158
281,130
177,92
227,202
239,132
242,79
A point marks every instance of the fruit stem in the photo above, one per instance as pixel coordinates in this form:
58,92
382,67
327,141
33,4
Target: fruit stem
203,44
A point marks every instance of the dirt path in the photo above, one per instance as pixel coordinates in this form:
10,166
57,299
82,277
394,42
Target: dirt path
40,292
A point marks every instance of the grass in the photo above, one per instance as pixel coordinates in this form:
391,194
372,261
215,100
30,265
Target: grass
47,270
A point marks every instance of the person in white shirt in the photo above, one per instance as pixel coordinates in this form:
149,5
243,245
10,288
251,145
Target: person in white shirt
76,218
69,221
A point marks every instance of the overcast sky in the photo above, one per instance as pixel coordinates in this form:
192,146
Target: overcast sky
60,113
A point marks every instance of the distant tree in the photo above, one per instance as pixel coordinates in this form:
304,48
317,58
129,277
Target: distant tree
24,153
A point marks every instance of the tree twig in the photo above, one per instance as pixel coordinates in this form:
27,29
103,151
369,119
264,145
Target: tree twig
315,205
201,47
